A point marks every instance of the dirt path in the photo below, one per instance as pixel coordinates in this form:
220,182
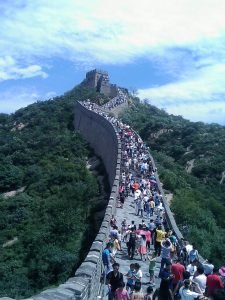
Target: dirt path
190,165
223,176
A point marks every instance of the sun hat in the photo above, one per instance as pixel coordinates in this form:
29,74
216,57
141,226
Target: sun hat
222,271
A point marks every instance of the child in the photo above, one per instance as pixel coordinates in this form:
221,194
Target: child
138,274
152,265
148,296
142,247
130,278
119,238
116,246
121,293
113,221
123,228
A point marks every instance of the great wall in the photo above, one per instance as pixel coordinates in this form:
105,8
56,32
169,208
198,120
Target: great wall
103,137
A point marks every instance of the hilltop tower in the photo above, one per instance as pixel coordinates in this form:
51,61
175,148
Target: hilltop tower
99,80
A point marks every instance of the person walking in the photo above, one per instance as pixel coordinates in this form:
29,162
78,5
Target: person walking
213,282
131,243
137,293
177,270
114,280
151,268
107,258
193,254
185,292
148,238
142,247
148,296
121,293
164,292
166,247
159,236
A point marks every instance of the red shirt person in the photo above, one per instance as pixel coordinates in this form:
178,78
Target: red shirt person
213,282
177,270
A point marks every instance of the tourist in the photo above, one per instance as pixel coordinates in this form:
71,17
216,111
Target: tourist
114,280
131,243
138,274
121,293
166,273
113,221
200,278
164,292
130,278
152,227
166,247
177,270
148,296
148,238
142,247
193,254
137,293
192,268
185,292
107,258
208,267
152,266
159,236
213,282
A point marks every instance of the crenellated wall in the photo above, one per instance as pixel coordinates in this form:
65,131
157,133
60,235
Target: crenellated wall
102,137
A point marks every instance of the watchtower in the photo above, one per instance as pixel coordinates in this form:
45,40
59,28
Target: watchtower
99,80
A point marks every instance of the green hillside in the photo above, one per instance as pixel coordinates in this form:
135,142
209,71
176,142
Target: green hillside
45,230
190,158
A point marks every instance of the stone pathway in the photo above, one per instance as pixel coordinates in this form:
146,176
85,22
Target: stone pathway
128,213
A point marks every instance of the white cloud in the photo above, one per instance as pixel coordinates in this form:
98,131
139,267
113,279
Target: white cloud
198,96
10,69
118,32
106,31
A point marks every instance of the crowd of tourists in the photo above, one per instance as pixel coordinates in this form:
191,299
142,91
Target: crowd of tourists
182,272
120,98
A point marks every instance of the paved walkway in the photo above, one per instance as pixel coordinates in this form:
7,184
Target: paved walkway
128,213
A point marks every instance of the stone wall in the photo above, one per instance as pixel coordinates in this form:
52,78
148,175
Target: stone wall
101,136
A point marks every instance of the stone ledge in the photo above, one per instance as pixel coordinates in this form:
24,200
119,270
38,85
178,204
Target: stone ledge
96,246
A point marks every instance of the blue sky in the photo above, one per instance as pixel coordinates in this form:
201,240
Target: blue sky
171,52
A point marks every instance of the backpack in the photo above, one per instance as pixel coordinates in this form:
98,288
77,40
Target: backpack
132,238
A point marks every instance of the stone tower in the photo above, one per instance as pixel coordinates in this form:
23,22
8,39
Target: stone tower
99,80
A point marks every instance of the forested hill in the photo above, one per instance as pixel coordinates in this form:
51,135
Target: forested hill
48,199
191,160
